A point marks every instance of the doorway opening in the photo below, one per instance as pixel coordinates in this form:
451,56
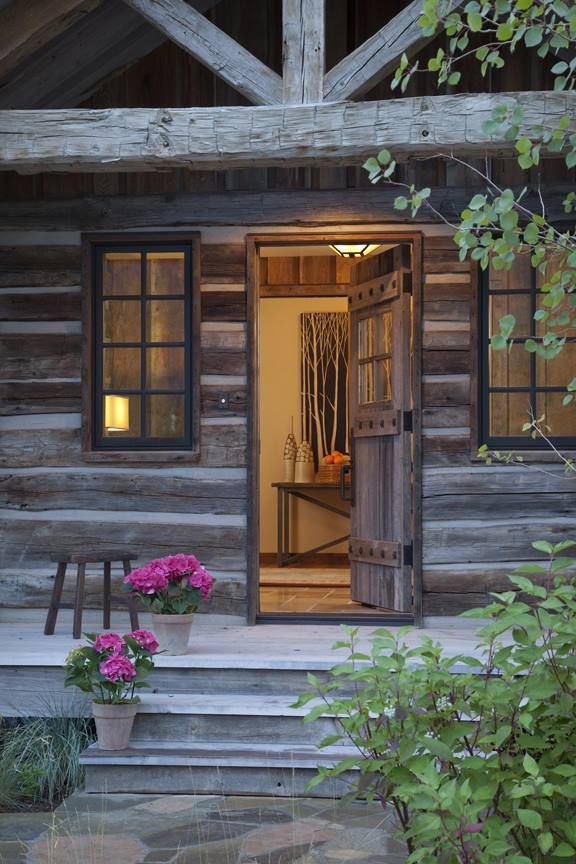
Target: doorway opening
332,471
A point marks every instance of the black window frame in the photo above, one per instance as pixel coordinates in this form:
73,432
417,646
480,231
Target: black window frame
95,444
517,442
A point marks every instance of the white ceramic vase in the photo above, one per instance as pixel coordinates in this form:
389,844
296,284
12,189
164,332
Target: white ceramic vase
114,724
172,632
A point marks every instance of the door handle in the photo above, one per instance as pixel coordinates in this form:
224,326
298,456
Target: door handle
345,471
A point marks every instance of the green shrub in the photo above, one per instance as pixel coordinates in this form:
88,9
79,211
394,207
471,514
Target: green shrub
477,757
40,759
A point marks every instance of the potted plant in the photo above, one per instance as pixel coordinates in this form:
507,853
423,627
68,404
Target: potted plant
112,668
171,588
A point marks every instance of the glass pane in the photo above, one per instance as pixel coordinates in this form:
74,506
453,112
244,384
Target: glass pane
559,419
165,416
365,338
121,416
121,368
165,272
383,380
510,368
384,341
560,370
366,383
165,368
518,278
510,304
165,321
508,413
121,273
122,321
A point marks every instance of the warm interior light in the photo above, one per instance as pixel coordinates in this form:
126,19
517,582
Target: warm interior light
354,250
117,413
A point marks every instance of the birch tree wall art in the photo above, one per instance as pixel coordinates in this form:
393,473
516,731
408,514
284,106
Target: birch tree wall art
324,389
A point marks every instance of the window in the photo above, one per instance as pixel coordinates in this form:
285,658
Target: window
515,383
142,338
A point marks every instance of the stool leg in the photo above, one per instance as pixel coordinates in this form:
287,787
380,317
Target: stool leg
79,601
55,599
127,565
107,594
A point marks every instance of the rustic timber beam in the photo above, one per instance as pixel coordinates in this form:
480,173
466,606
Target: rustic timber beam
376,58
95,48
303,51
28,25
338,207
200,38
137,139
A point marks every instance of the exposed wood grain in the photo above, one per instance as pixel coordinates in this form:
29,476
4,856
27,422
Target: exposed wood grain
445,337
222,262
500,505
454,390
40,356
39,265
40,307
494,480
453,603
239,137
138,492
303,51
444,310
474,541
376,58
39,397
222,306
28,542
346,206
445,362
200,38
223,363
446,417
28,25
236,401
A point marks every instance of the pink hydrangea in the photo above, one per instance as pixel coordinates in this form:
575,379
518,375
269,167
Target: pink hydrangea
145,639
118,668
151,578
155,576
201,579
109,642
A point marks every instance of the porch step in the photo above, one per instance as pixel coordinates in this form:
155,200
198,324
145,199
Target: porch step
238,718
216,768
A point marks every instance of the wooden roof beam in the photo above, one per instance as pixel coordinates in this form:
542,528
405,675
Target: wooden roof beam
376,58
140,139
200,38
28,25
303,51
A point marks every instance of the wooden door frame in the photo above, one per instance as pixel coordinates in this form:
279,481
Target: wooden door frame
253,243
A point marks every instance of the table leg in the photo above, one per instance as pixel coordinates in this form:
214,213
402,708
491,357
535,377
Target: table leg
286,527
55,599
280,538
107,604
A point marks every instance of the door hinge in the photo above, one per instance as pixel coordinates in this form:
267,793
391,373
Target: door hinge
407,421
408,555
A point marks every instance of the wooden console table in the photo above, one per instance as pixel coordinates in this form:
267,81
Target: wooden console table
302,492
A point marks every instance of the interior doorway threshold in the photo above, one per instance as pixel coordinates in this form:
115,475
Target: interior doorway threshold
380,619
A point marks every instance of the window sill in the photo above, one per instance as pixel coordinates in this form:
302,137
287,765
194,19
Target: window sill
141,456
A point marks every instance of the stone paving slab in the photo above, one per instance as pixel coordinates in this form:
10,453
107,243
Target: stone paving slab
188,829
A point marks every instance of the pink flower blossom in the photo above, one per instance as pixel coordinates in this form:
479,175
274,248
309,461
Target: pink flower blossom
151,578
200,578
155,576
109,642
145,639
118,668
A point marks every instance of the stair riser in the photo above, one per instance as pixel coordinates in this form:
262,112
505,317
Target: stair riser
190,728
212,682
182,780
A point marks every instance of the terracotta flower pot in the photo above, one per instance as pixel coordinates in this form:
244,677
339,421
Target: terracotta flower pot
172,632
114,724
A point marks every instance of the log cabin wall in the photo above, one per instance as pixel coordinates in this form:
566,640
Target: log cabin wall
477,520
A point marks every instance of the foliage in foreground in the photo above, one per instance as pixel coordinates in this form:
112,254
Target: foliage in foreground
40,759
478,761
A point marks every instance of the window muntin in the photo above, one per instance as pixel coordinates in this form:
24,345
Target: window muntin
514,382
142,341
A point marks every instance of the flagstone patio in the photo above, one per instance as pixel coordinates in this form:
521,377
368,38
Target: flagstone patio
178,829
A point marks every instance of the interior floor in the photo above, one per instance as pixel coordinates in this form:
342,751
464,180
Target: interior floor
306,590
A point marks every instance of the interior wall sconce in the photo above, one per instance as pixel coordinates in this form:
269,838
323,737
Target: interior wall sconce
354,250
117,413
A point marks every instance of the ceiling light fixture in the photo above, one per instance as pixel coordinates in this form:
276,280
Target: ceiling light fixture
354,250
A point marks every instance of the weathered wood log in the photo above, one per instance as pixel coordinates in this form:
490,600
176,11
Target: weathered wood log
39,397
246,208
200,38
444,310
446,390
40,356
138,492
31,266
222,306
379,56
40,307
28,25
223,262
303,51
487,479
236,401
445,362
223,363
446,335
501,505
446,417
128,139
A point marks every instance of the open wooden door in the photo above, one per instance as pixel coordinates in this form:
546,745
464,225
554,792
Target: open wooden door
380,548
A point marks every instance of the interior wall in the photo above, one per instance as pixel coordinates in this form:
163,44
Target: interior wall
279,401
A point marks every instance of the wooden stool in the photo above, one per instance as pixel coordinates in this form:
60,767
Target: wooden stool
81,560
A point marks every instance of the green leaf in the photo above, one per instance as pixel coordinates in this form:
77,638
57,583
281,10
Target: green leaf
530,819
384,156
474,21
564,850
530,765
401,203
